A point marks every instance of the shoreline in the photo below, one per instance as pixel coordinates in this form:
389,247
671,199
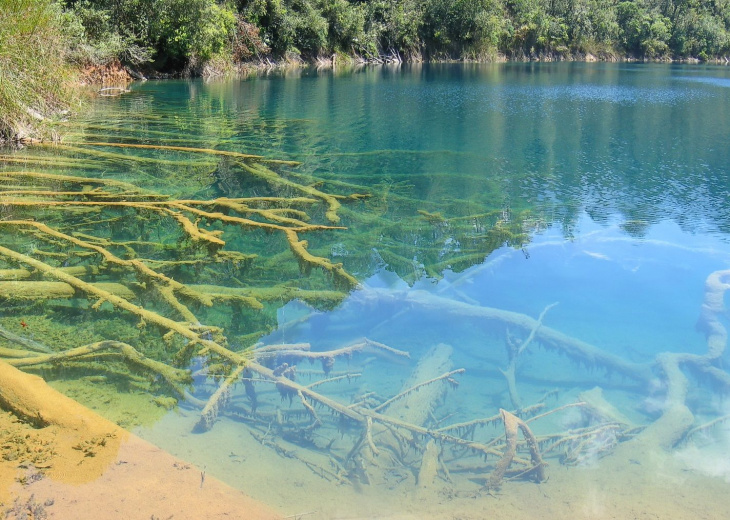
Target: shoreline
227,69
96,77
60,459
143,481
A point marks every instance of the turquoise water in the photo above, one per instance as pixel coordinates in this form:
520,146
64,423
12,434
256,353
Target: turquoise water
557,220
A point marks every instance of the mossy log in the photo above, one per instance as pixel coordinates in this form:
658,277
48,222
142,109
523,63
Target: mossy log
176,378
273,219
47,290
270,177
307,260
26,274
204,151
187,331
29,398
81,148
218,400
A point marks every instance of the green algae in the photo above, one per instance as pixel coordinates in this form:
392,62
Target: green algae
127,407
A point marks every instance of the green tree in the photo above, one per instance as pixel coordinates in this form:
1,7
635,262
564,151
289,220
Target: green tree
456,27
346,26
400,25
696,32
310,29
176,31
530,24
644,32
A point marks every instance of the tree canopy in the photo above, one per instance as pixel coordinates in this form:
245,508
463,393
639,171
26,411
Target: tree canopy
175,33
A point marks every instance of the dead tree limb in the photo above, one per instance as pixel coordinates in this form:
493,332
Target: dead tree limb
511,424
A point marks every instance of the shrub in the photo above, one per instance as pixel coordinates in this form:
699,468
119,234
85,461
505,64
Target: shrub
94,39
247,41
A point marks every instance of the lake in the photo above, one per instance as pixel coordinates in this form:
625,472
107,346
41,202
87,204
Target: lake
420,291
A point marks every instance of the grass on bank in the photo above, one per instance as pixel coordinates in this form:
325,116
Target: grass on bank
36,83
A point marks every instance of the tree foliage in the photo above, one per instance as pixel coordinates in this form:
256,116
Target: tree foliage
170,32
174,32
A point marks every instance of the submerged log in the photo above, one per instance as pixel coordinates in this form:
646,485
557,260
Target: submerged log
550,338
95,440
511,424
713,307
600,409
218,400
417,408
46,290
409,412
428,471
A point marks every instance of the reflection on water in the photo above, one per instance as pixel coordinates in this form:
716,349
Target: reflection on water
433,291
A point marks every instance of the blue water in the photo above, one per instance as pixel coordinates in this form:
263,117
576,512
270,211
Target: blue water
590,197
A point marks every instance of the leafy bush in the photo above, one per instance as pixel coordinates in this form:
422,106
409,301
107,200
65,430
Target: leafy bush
174,32
213,31
403,23
181,30
531,26
276,21
700,34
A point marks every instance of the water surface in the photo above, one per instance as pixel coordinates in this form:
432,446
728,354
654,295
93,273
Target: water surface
554,221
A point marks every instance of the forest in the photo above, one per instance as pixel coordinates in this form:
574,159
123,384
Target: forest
177,33
43,42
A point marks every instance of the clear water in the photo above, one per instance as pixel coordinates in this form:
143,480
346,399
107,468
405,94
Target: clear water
495,191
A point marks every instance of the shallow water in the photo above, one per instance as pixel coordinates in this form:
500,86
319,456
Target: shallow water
560,217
